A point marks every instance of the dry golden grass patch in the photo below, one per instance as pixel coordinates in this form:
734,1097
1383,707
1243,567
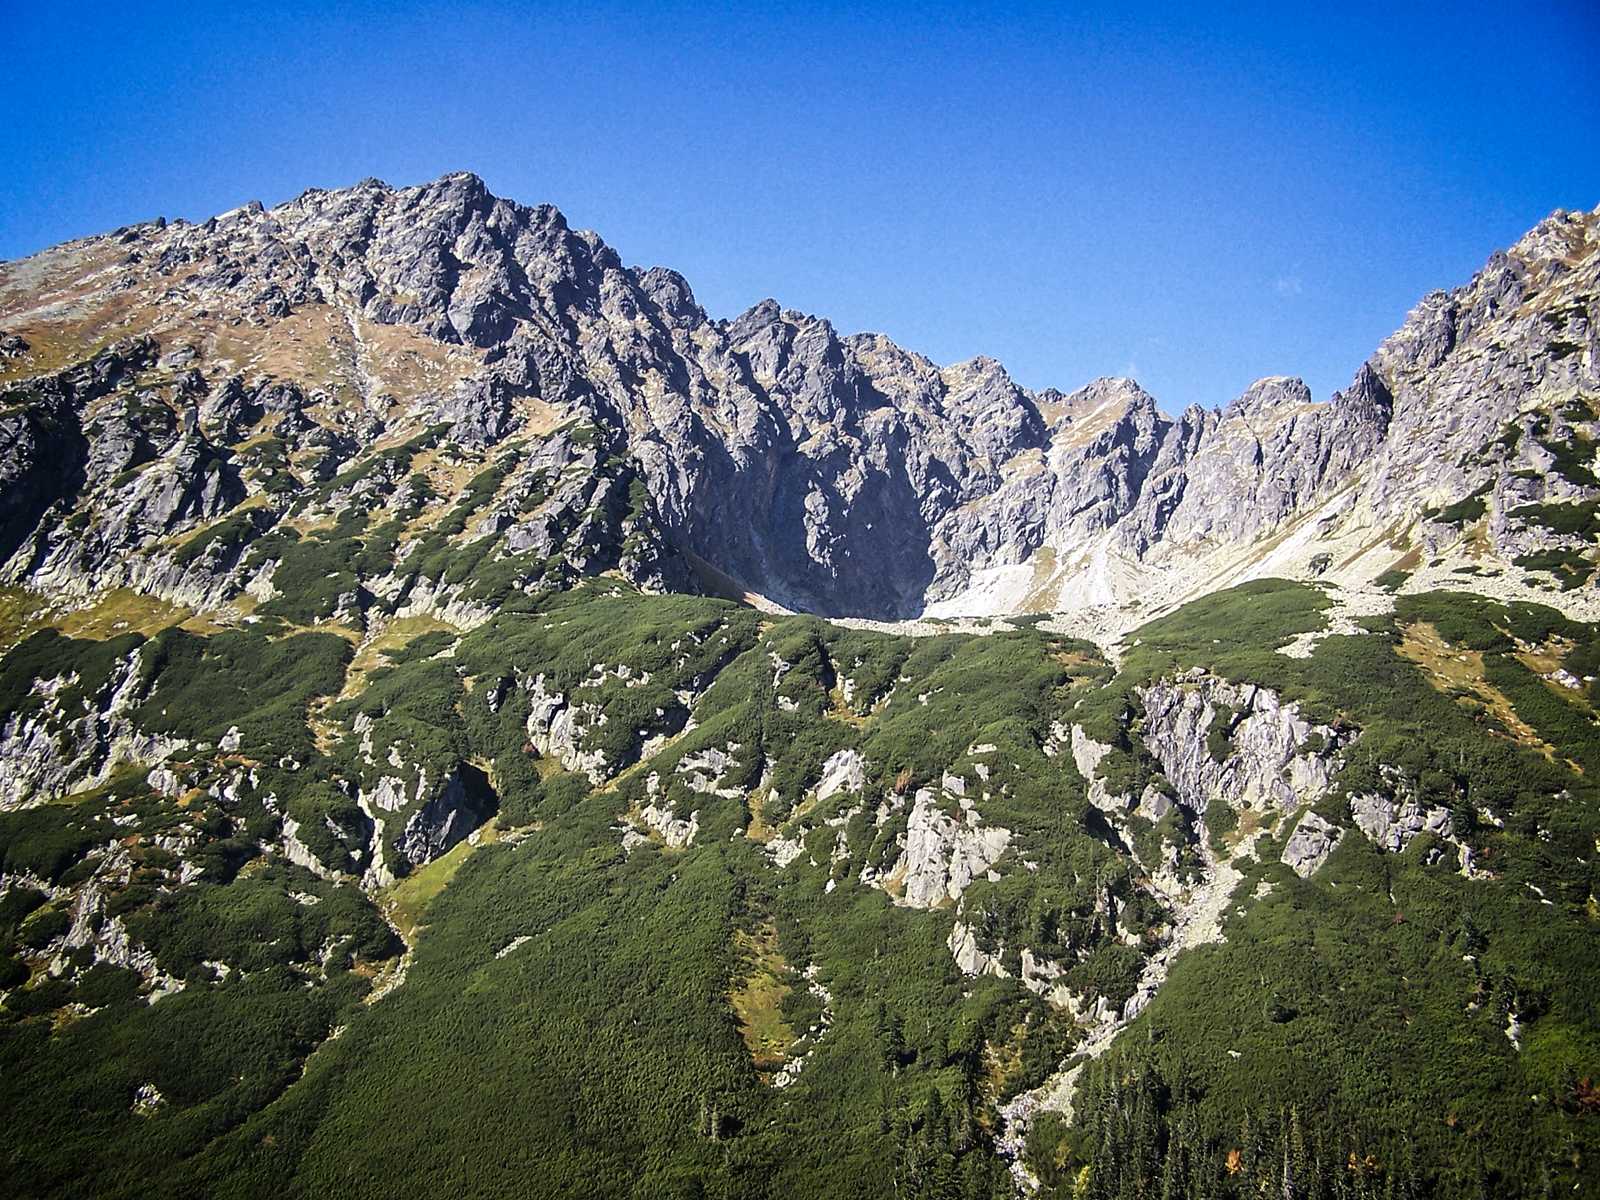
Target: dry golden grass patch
1076,658
764,980
1042,592
1459,673
406,363
1409,561
122,611
1251,822
548,767
840,710
311,347
1545,661
1542,660
1476,541
21,613
1396,537
757,829
390,636
110,615
405,902
55,346
64,305
348,632
1002,1062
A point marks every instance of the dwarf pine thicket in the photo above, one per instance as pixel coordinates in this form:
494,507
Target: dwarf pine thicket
565,1017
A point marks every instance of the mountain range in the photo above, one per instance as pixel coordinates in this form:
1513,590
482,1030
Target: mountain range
834,474
469,716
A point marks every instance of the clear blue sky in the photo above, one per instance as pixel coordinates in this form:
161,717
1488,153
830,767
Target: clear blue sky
1195,199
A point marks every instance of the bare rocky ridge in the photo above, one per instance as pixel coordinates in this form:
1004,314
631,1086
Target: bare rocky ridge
837,474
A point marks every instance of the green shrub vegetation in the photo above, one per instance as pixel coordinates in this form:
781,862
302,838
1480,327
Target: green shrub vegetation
566,1023
1573,520
201,687
1463,511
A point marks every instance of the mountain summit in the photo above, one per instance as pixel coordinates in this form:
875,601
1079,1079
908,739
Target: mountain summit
834,474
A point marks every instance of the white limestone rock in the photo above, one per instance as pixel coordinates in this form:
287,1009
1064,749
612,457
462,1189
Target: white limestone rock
1309,846
944,854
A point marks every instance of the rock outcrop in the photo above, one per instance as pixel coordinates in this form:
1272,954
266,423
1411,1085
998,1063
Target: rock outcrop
1237,744
460,804
941,853
767,453
556,729
73,733
1309,846
1393,824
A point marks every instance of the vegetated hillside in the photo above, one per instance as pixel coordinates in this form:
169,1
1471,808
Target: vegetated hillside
626,894
384,802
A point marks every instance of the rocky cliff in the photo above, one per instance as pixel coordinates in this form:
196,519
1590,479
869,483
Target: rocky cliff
166,375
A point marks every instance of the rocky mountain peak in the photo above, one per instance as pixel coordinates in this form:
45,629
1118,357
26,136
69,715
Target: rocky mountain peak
1274,397
838,473
1101,405
671,293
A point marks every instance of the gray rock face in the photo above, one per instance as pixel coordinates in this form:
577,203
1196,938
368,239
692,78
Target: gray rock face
556,729
674,831
845,771
969,955
297,852
1086,756
1242,471
462,802
944,854
188,486
1275,758
840,474
57,748
124,435
43,451
1310,844
1393,824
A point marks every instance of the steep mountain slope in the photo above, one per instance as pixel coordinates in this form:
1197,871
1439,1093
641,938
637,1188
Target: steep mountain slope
394,787
838,475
